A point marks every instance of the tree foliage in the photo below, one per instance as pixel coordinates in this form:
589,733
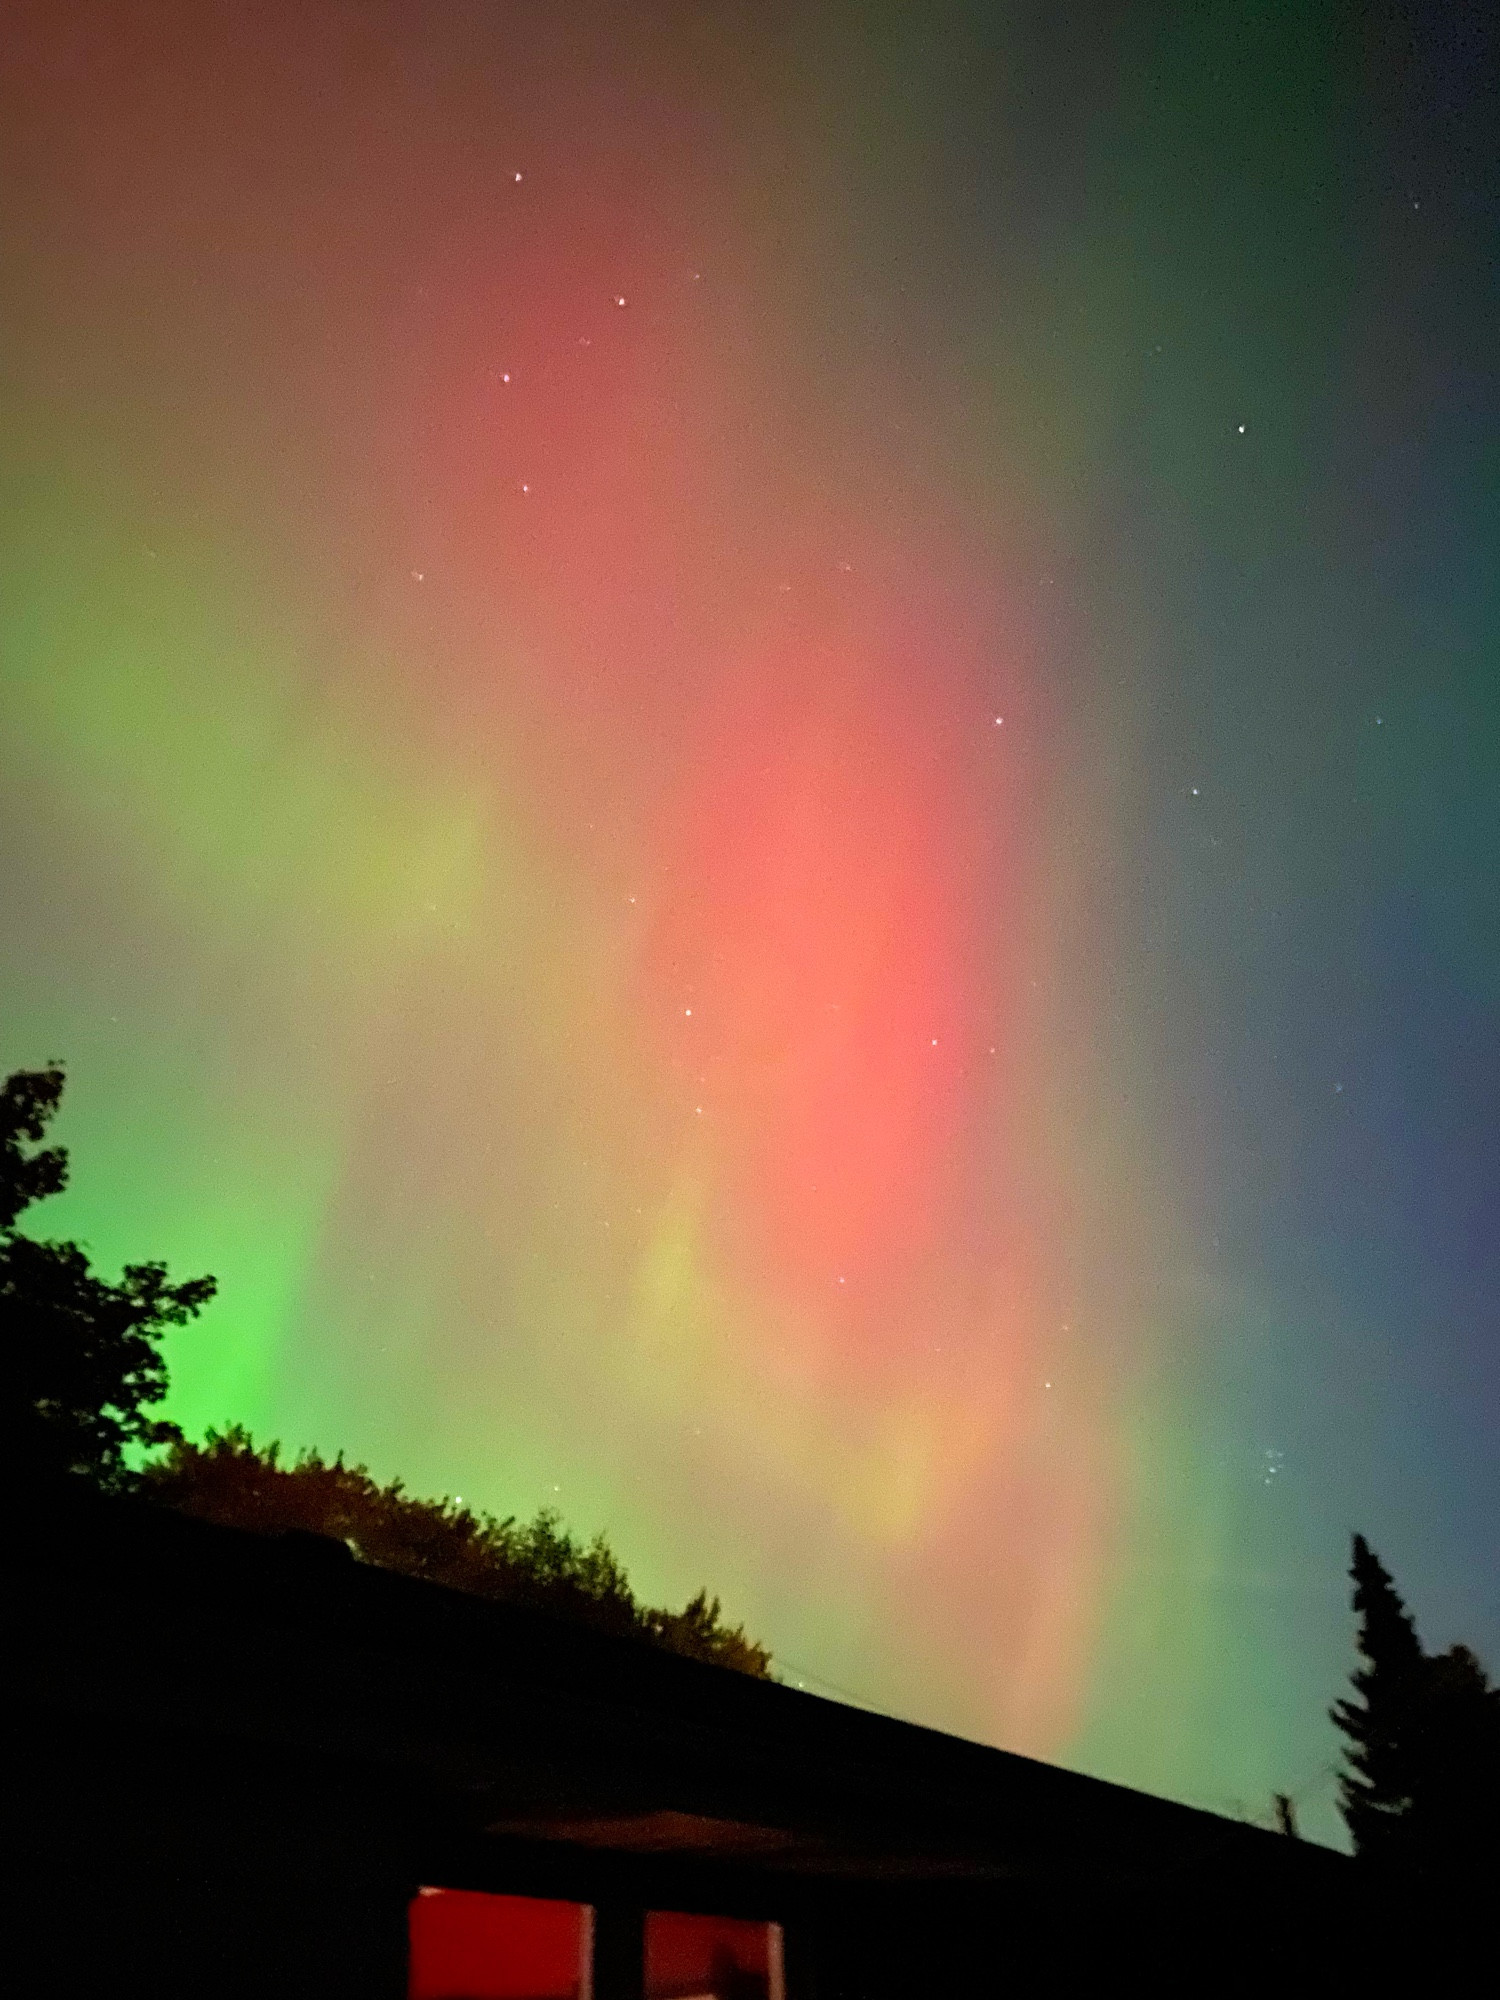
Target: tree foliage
81,1356
28,1103
230,1480
1421,1785
83,1369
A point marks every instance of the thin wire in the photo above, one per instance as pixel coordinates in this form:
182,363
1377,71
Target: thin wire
830,1687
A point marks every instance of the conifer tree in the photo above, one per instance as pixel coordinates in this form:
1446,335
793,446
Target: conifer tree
1378,1786
1421,1787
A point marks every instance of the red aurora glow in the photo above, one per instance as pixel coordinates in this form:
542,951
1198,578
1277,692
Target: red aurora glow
809,971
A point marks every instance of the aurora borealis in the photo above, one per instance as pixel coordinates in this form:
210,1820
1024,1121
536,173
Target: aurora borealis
751,755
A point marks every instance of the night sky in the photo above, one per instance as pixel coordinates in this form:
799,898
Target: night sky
752,753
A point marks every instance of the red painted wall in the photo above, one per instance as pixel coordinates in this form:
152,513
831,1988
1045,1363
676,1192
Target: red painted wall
466,1946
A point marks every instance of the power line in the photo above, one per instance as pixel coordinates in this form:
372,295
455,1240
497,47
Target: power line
822,1686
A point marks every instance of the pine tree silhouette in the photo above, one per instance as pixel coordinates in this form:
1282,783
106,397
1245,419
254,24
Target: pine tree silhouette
1421,1788
1378,1788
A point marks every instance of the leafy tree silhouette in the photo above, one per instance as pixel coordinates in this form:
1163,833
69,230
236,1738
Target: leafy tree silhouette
1420,1793
82,1370
81,1356
231,1480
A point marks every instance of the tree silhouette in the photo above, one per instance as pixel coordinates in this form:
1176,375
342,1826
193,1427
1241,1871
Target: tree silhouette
231,1480
1420,1793
81,1357
1378,1787
28,1100
82,1370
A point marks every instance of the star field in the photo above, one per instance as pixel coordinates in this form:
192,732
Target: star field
752,755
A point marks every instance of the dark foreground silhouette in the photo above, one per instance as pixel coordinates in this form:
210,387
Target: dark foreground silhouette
243,1758
84,1374
537,1563
269,1734
1420,1791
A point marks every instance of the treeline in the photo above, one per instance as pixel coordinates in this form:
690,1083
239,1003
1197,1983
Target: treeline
230,1480
84,1375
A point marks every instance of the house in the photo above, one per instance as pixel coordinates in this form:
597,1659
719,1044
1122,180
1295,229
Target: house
257,1766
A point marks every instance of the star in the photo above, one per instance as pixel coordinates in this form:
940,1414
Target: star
518,176
1242,430
505,378
619,298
